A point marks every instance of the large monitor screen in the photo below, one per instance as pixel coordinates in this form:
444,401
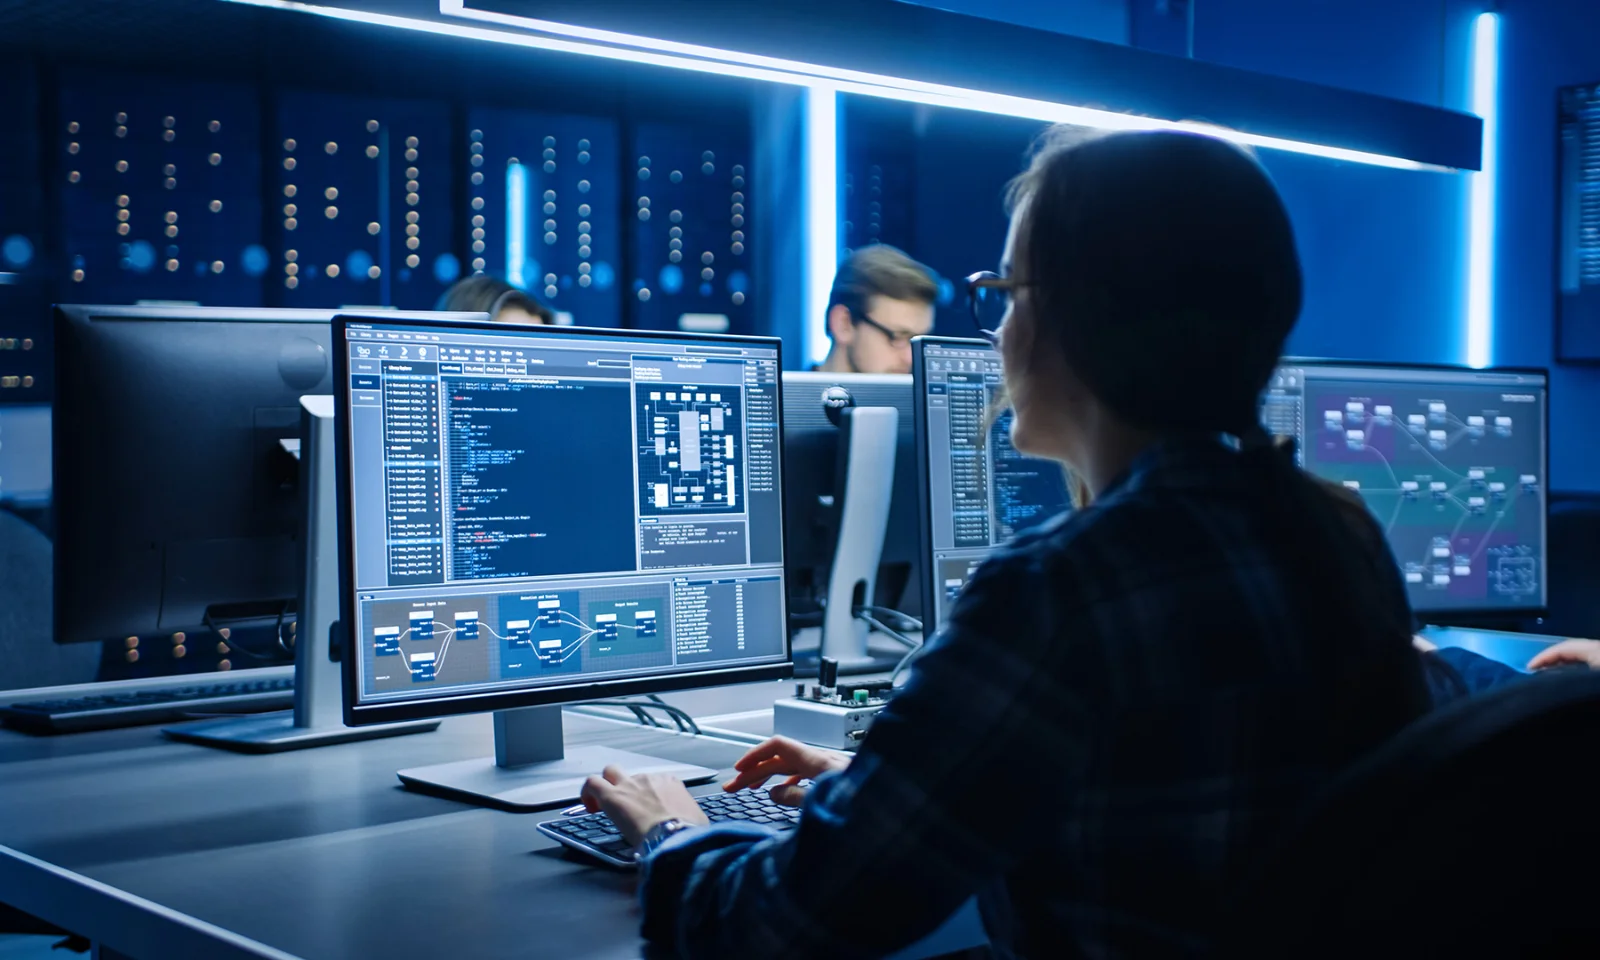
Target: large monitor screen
978,490
1450,461
535,508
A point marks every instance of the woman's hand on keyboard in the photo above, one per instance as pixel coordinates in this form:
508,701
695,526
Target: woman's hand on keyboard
637,803
790,759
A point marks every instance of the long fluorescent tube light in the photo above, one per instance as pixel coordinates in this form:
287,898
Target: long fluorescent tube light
732,64
822,216
1481,225
516,223
899,88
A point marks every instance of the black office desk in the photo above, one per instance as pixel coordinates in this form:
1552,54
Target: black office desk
159,849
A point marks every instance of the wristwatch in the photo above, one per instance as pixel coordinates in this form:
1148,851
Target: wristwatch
657,835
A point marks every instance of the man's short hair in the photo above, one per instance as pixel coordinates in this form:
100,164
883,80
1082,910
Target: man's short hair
880,271
481,293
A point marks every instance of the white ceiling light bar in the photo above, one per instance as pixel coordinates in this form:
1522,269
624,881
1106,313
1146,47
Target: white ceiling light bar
917,91
733,64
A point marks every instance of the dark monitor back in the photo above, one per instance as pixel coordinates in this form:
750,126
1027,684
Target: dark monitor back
813,475
174,495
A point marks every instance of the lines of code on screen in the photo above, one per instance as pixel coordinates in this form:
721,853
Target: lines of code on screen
516,447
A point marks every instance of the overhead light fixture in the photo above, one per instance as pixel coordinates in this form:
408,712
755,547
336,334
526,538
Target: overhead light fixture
822,216
1481,206
662,53
918,91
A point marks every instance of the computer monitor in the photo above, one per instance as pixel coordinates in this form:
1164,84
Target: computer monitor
816,454
175,480
533,516
976,490
1452,462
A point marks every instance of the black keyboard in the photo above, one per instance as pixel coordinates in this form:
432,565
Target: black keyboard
596,835
158,705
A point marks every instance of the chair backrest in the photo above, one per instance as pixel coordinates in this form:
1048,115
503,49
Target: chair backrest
1471,833
1574,564
28,657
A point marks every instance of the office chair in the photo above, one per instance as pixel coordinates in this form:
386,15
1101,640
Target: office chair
1574,564
1470,834
28,655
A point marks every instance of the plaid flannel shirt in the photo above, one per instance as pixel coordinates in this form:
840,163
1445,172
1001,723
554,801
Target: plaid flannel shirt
1125,709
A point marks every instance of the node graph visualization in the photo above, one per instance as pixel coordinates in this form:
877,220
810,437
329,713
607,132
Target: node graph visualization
1454,473
609,628
691,449
437,642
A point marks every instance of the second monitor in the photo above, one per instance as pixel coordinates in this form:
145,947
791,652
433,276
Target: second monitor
977,490
1451,462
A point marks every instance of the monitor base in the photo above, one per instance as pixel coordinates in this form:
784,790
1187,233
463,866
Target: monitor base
537,786
276,732
531,768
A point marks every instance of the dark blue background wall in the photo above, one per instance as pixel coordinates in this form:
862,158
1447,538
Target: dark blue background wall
1385,250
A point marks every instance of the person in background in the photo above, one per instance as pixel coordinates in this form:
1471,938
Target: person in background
1129,705
1455,672
881,298
503,302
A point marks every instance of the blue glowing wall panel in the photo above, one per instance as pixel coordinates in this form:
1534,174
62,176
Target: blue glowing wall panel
362,202
689,215
879,174
160,192
545,208
963,164
24,353
1578,252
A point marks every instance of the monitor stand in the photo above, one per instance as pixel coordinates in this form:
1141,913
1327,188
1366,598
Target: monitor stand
532,769
867,439
318,707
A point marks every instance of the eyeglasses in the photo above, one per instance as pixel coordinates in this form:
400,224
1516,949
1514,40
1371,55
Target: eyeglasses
989,296
896,337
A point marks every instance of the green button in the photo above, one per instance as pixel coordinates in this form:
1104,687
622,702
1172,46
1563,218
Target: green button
861,696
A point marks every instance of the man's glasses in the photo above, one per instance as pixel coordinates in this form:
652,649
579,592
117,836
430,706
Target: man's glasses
896,337
989,296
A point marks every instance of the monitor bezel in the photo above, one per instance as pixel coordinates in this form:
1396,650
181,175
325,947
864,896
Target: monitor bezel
1466,616
357,713
919,409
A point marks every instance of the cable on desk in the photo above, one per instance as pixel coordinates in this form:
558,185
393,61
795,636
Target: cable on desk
902,621
656,699
685,722
906,661
206,621
887,631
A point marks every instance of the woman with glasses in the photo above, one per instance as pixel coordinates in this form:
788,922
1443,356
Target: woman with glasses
1128,704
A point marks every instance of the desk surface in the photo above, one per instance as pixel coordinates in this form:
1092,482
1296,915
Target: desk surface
162,849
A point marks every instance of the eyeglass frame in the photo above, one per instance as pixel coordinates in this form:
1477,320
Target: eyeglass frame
988,280
897,338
